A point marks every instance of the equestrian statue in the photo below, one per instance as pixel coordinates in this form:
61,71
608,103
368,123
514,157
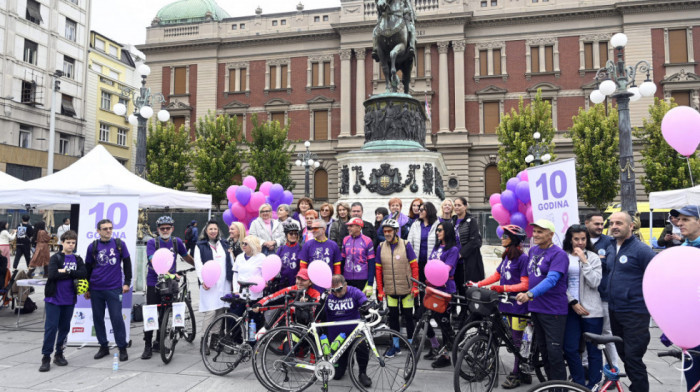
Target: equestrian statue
394,41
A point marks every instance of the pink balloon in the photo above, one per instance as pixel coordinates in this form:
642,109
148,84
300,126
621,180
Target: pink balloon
250,209
257,200
671,286
271,266
495,199
231,193
320,274
211,272
528,214
681,129
437,272
162,260
500,214
238,211
265,188
523,175
522,208
259,285
528,231
250,182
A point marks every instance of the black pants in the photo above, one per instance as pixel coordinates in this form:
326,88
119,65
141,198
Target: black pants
362,360
443,321
22,250
358,284
633,328
406,313
153,298
549,333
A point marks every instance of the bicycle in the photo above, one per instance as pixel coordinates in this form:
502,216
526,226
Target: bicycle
478,361
305,360
676,353
170,292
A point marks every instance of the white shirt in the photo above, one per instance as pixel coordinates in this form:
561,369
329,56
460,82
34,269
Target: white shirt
246,271
211,299
6,237
61,229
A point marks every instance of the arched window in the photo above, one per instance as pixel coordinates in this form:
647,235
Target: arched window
492,181
320,185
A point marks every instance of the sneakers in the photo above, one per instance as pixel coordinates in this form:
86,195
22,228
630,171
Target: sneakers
147,351
525,378
59,360
392,352
432,355
365,380
123,356
45,364
103,352
512,381
441,362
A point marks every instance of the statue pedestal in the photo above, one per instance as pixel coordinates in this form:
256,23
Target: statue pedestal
394,121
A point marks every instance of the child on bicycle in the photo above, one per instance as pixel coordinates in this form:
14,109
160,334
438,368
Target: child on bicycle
511,276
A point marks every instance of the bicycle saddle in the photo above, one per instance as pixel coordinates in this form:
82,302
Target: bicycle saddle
598,339
246,284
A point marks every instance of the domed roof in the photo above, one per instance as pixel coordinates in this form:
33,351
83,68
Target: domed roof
190,11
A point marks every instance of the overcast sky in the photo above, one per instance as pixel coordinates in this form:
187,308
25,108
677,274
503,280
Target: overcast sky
125,21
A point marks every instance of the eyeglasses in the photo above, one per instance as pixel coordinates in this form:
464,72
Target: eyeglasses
439,230
325,210
165,228
265,211
244,244
107,229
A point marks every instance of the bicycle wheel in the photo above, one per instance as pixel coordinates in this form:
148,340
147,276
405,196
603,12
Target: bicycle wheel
258,362
293,370
419,337
168,336
477,365
536,363
464,334
387,374
190,330
223,348
559,386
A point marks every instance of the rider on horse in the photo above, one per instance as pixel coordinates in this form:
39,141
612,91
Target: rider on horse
410,17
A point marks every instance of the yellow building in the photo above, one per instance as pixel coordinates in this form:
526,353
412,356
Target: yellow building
110,80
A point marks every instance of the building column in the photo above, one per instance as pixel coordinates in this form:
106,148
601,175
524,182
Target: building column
345,93
458,47
360,92
443,88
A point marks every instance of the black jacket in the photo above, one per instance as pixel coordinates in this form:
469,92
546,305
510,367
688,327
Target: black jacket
470,248
55,264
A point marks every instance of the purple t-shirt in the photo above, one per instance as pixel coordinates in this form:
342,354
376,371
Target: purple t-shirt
342,309
357,252
107,268
290,263
316,250
554,301
152,276
65,289
449,257
511,271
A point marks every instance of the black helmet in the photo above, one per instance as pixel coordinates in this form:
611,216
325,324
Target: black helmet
391,223
516,233
165,220
291,225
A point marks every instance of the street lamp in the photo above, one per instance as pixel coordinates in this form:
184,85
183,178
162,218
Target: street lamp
538,151
307,159
143,100
618,81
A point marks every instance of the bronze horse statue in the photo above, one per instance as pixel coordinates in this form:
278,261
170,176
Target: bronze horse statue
394,42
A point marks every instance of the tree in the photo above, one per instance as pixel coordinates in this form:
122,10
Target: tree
216,157
270,153
515,135
167,156
596,141
664,167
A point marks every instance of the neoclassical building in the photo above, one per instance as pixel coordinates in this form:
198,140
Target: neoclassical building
476,58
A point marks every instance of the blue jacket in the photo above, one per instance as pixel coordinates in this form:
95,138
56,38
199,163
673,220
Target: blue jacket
206,253
624,285
605,249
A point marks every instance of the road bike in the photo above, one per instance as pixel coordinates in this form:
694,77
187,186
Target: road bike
170,292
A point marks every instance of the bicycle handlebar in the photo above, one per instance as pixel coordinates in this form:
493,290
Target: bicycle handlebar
183,272
676,353
419,283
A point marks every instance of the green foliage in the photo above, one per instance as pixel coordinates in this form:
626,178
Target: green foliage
664,167
167,156
596,141
216,157
270,153
515,135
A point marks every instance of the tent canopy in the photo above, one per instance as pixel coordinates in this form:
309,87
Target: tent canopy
97,173
8,180
675,198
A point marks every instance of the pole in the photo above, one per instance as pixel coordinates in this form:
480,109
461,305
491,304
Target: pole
141,133
306,180
627,178
52,128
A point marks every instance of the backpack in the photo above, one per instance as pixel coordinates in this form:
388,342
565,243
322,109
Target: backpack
189,233
174,241
117,241
28,307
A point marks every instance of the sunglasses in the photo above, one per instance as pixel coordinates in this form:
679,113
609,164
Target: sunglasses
165,228
265,211
316,228
337,289
439,230
107,229
293,233
244,244
421,209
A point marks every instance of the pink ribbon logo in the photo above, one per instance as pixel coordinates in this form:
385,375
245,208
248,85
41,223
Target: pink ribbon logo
565,221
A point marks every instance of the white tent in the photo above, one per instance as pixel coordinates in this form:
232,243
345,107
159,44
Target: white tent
97,173
675,198
7,180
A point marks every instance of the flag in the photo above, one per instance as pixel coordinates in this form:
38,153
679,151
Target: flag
427,107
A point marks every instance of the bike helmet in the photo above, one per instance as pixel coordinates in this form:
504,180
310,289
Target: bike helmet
516,233
165,220
81,286
391,223
291,225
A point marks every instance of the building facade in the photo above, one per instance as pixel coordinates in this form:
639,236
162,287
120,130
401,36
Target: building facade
40,39
476,59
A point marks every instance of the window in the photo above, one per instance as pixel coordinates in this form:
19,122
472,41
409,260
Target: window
279,117
74,1
492,181
23,172
113,51
320,125
283,22
325,18
321,73
548,65
99,44
484,3
71,30
242,26
483,62
497,61
490,59
63,144
25,136
234,26
274,23
682,98
317,18
283,75
589,49
97,68
30,51
68,67
180,80
321,184
121,137
237,79
678,46
106,101
124,102
67,108
494,3
28,92
178,121
104,132
33,13
273,77
492,117
420,66
243,78
113,74
603,53
588,55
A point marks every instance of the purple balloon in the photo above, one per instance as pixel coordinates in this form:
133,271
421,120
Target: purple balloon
228,217
276,192
522,191
518,219
230,204
509,201
499,231
288,197
510,185
243,194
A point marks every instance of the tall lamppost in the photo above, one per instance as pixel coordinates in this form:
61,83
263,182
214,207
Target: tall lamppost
143,100
618,81
538,151
307,159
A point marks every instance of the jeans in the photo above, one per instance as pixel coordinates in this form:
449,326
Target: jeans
57,322
633,328
607,331
575,327
549,334
109,298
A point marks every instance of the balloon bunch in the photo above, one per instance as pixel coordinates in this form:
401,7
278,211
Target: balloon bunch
244,202
513,205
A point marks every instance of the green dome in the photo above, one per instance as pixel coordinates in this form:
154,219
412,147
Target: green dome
190,11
